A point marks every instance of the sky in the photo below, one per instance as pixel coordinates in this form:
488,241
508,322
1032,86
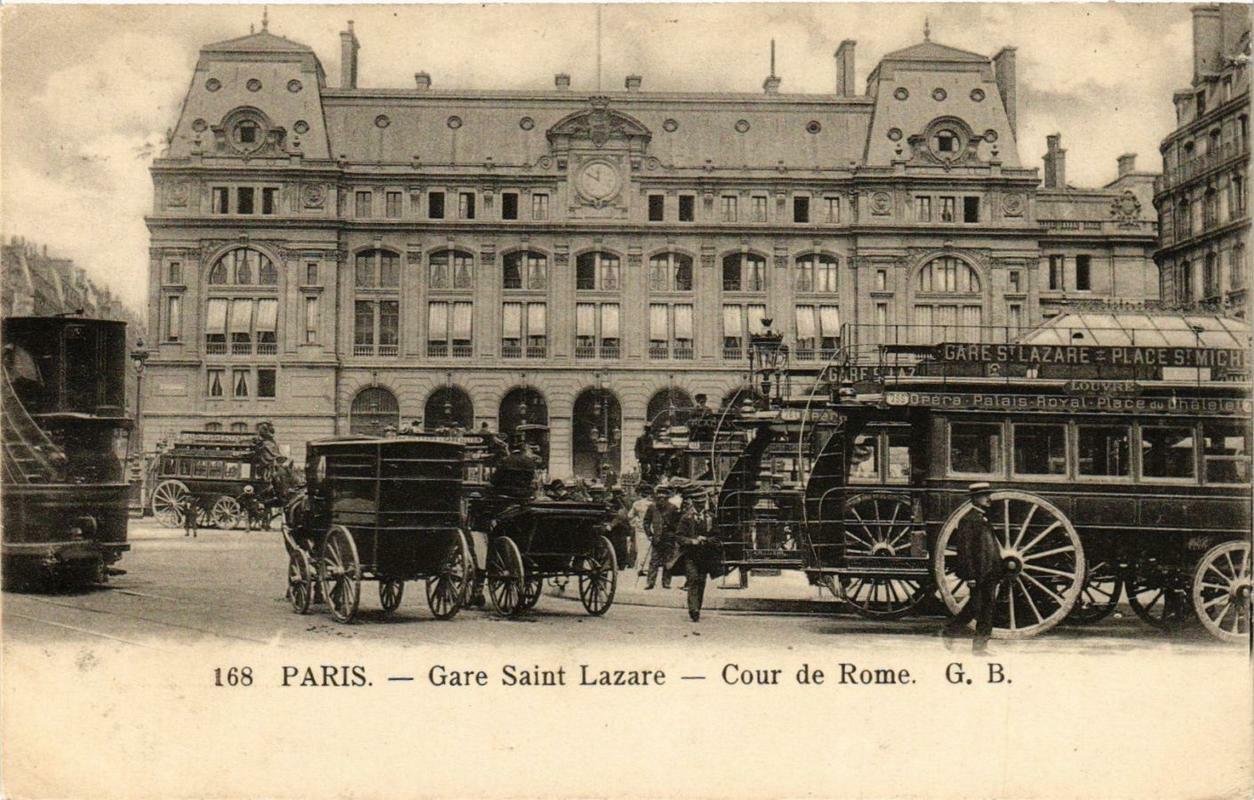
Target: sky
87,93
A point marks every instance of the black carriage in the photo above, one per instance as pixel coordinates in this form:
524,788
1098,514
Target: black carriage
65,435
212,468
1115,468
385,510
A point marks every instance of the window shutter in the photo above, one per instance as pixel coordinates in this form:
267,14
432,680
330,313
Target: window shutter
657,322
805,322
683,322
609,321
511,321
215,316
535,319
585,319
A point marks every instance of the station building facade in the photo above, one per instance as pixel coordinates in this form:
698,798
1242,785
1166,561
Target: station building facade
337,259
1202,196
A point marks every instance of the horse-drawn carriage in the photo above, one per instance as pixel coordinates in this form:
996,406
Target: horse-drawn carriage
214,469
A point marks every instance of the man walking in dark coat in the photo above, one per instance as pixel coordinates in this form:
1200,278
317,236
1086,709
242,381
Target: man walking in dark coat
659,526
698,551
979,563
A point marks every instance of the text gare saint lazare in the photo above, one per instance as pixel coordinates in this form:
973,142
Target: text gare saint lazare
842,673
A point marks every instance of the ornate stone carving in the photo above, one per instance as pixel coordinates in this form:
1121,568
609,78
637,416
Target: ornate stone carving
601,126
1012,205
178,194
313,195
881,204
1126,209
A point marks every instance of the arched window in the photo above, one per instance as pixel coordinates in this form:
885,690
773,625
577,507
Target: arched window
666,407
446,407
1210,276
243,266
744,272
374,409
523,405
450,269
239,427
670,272
525,269
947,316
1210,208
377,269
598,271
816,273
598,430
213,426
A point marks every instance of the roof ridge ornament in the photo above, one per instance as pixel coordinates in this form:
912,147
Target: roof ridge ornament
927,29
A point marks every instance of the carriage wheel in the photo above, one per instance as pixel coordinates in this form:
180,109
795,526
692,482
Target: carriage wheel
225,513
391,590
1099,595
300,587
1042,560
166,499
879,525
1159,598
1221,591
599,578
531,592
339,572
448,591
505,576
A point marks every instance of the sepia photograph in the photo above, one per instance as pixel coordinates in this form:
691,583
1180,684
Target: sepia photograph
727,400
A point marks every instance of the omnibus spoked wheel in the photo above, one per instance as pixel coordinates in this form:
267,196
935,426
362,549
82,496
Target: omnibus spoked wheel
599,578
166,501
1160,599
226,512
878,526
505,576
1042,564
339,572
448,591
1099,596
391,591
531,592
300,584
1221,591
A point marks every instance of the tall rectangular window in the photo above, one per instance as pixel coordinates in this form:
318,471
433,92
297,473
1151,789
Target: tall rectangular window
687,206
435,205
923,209
389,327
363,328
1040,449
266,382
831,210
733,332
462,322
437,330
466,205
1015,279
221,200
524,329
975,448
807,333
659,330
881,280
1225,452
759,208
881,321
362,210
267,326
174,274
173,318
537,330
509,205
1014,318
215,325
1083,273
511,330
970,209
214,380
241,327
393,205
239,382
1104,451
311,273
1168,452
311,320
244,200
801,209
1057,273
729,208
682,341
657,207
947,209
539,206
269,201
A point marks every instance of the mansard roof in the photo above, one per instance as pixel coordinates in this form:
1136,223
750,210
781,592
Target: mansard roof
932,51
263,41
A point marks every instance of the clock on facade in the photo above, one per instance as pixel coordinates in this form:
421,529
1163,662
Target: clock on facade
599,180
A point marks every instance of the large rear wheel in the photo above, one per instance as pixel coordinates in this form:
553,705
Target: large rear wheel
339,572
1221,591
877,529
1042,563
167,501
449,590
599,577
505,576
1100,595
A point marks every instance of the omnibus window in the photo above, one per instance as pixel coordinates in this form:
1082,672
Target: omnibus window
199,469
216,469
898,457
864,460
1226,453
975,448
1104,450
1040,449
1167,452
700,468
232,469
185,467
246,471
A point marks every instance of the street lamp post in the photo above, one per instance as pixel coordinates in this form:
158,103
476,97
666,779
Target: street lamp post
138,357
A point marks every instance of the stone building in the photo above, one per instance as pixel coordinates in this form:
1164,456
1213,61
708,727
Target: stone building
339,258
1202,196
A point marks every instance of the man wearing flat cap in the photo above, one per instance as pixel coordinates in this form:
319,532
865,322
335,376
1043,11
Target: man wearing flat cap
698,552
978,563
659,524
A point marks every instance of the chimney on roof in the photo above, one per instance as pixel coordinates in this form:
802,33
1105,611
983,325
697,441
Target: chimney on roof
1127,164
844,68
1007,85
1055,162
1208,38
348,58
422,80
633,83
562,81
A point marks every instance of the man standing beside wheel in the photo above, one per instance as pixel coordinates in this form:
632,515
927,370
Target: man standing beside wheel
698,552
189,508
979,564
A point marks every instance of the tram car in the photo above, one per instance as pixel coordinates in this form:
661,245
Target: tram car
388,510
1116,467
213,467
65,436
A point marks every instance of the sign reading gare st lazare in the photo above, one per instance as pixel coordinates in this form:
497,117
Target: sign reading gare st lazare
1085,354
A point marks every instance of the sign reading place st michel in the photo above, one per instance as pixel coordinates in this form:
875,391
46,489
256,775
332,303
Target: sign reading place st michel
1189,357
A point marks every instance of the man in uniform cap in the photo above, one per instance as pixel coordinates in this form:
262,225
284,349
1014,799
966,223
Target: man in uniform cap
979,563
659,525
697,550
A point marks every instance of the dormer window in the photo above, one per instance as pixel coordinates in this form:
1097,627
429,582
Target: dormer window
247,132
946,141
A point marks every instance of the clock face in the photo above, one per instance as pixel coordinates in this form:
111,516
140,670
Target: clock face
599,180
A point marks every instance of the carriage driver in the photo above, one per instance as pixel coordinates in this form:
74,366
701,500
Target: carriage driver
978,563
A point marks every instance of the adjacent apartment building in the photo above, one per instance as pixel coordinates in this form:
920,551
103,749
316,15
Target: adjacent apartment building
337,258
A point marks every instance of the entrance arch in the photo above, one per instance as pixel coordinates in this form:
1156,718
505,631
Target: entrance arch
374,408
670,399
446,407
523,405
597,434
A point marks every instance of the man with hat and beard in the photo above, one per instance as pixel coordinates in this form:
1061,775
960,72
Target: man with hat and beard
697,550
659,525
978,563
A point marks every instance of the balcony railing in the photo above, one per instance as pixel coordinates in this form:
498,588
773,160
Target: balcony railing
733,353
609,350
389,349
437,349
682,352
585,351
537,351
511,349
371,350
241,348
363,349
462,350
1200,165
659,350
215,348
267,348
